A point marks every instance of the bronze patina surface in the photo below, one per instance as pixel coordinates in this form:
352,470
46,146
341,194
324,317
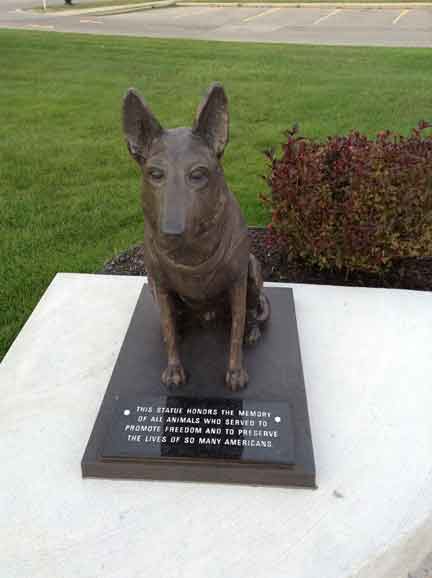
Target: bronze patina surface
196,243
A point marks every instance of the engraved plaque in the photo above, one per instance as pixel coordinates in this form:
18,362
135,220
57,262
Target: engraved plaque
198,428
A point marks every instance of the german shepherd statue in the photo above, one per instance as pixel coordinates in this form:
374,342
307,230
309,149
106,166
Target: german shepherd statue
196,244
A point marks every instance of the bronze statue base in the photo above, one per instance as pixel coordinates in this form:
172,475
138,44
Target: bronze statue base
199,431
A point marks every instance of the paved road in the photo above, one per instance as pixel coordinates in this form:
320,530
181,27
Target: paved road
367,26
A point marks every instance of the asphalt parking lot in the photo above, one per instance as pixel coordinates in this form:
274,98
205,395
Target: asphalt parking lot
311,25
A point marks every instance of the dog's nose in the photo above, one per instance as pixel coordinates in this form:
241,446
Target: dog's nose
172,221
172,228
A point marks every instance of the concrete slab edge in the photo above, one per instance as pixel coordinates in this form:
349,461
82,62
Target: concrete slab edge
411,557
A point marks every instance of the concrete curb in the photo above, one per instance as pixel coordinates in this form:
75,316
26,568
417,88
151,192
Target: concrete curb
108,10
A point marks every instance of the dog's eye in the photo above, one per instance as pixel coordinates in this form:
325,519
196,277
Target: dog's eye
156,174
199,175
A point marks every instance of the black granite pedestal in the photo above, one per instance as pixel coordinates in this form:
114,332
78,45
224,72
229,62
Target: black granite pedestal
202,432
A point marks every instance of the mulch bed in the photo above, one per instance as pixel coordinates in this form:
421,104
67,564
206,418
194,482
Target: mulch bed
413,273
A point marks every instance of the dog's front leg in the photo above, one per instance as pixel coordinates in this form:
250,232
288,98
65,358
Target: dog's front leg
174,374
237,377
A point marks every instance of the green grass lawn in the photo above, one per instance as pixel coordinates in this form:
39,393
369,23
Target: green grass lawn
69,195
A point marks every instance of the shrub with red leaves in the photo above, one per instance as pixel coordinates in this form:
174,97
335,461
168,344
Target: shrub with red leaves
352,203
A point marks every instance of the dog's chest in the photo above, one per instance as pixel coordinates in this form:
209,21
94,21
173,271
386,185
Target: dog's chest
206,280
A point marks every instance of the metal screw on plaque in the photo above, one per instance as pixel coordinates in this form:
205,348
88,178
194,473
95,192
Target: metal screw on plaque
277,419
126,412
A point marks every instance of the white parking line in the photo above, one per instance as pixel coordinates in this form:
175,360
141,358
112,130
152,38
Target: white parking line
41,26
91,21
326,16
401,15
269,11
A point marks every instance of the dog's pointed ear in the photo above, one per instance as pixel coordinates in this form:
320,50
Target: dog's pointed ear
212,119
140,126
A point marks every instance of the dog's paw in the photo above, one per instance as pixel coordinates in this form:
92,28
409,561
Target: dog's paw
236,379
253,335
174,375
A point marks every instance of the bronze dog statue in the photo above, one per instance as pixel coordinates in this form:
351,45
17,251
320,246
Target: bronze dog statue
196,243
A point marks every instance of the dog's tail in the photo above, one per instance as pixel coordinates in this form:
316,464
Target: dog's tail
263,309
257,299
258,305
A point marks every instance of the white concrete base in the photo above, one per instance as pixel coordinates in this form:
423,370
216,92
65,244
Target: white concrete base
367,356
